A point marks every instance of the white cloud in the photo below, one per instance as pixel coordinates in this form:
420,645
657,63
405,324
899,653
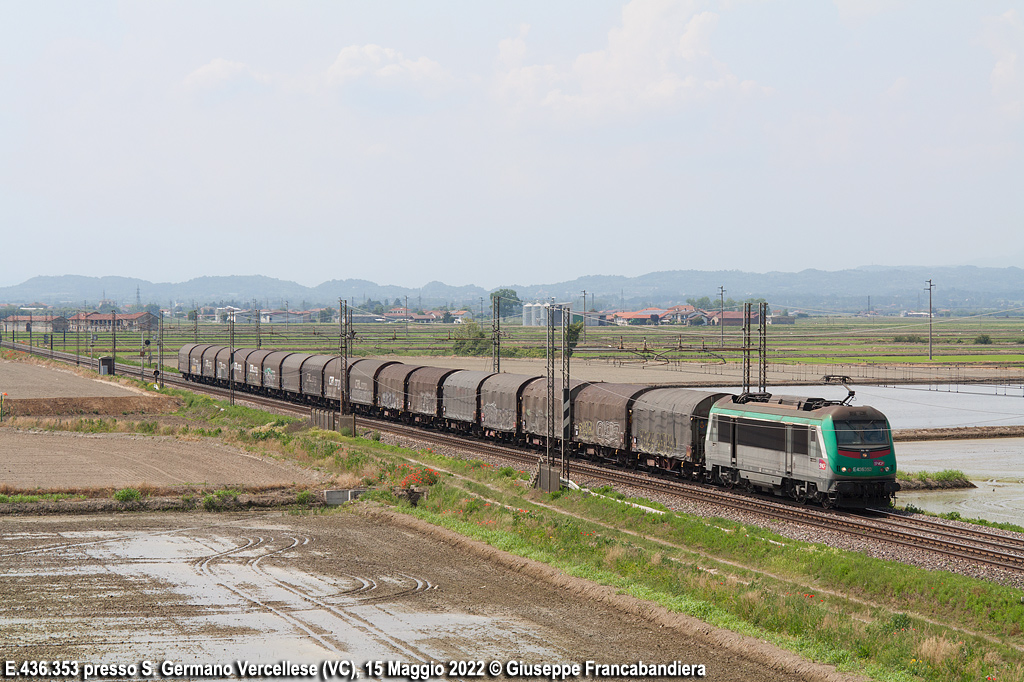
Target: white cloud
1004,36
217,73
385,65
659,57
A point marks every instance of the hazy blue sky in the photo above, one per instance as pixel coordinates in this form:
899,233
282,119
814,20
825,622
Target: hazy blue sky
504,143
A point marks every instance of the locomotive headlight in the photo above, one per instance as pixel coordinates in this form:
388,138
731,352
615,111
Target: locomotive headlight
843,469
886,468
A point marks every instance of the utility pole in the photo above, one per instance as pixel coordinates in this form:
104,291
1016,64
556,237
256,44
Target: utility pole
584,316
721,312
407,318
160,354
496,334
931,316
566,406
113,338
341,354
231,361
78,344
746,348
565,312
344,350
762,349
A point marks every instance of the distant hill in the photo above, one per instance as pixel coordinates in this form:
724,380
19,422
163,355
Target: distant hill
889,288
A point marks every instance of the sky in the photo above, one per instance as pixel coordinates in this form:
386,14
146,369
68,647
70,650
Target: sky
507,143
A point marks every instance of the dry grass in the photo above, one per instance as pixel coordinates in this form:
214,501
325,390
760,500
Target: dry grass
613,554
936,650
751,599
347,479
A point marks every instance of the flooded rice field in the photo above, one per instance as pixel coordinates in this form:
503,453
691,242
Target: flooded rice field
995,465
193,589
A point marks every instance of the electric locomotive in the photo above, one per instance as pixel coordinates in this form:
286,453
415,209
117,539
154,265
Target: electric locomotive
805,448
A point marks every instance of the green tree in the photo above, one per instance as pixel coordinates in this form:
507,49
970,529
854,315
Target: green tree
572,335
192,315
509,304
471,340
325,315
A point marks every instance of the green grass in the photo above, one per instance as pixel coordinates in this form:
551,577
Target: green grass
944,476
127,495
783,595
18,498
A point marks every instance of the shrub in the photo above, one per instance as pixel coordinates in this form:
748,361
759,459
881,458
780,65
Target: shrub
305,497
983,339
210,503
909,338
227,495
127,495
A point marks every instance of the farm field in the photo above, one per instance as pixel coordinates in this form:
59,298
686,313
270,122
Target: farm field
879,350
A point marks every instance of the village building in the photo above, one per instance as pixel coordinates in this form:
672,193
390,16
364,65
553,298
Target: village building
38,324
105,322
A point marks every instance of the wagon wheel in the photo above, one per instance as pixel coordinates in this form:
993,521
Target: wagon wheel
729,481
826,501
800,495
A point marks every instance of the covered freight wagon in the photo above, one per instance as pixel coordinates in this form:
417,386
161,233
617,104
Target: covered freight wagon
460,397
425,385
601,416
362,380
311,376
534,412
254,367
669,426
500,398
391,387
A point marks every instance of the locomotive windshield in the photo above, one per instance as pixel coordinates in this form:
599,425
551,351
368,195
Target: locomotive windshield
861,433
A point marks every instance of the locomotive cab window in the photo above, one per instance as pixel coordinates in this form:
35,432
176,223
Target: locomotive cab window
862,433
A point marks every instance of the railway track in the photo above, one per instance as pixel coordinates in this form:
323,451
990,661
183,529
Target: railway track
953,541
972,544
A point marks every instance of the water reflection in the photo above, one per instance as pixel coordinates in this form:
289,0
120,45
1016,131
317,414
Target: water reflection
995,465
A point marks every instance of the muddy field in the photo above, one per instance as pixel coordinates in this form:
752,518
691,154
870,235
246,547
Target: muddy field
269,587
